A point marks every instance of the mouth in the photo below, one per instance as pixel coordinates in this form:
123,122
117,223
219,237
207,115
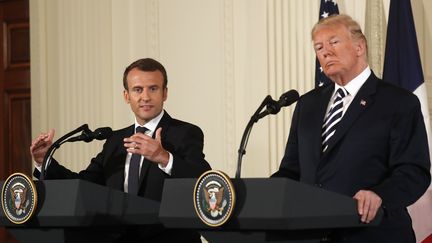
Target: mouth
330,63
146,107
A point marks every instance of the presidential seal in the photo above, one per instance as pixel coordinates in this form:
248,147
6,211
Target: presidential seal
19,198
214,198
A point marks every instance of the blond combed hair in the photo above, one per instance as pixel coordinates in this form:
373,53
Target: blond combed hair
334,21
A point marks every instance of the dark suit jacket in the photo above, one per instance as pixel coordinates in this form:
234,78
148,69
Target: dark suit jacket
379,145
183,140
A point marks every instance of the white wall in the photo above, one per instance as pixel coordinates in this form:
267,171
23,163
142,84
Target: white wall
222,56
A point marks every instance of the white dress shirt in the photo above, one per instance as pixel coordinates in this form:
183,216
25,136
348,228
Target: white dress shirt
352,87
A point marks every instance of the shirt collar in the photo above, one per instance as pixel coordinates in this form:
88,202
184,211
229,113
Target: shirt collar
354,85
152,124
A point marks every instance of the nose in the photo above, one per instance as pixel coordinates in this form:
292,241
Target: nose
145,95
326,50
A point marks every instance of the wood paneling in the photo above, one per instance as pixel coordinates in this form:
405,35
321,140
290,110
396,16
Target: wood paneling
17,103
15,122
17,37
15,118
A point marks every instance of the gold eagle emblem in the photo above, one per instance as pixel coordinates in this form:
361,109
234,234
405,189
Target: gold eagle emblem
214,198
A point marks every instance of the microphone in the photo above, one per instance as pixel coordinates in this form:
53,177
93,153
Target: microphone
273,107
288,98
87,135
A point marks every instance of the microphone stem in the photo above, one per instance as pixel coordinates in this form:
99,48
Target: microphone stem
242,149
55,146
286,99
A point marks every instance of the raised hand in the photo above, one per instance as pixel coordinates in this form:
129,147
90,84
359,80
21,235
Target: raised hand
40,146
152,149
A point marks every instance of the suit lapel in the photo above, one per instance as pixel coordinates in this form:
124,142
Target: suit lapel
360,103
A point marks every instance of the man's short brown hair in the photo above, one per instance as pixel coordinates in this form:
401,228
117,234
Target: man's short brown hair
146,65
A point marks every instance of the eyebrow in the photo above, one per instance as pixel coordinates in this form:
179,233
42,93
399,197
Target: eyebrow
331,37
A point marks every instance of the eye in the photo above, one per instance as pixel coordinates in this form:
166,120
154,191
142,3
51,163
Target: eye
334,42
318,47
137,90
153,88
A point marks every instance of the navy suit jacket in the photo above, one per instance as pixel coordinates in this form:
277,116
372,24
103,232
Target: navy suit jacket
380,145
183,140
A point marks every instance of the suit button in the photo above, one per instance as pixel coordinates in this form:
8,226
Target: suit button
318,185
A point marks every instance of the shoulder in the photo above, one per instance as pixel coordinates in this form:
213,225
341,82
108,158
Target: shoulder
318,90
117,136
177,129
123,131
173,123
396,95
317,95
182,126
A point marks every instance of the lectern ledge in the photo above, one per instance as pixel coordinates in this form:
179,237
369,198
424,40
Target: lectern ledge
81,211
265,209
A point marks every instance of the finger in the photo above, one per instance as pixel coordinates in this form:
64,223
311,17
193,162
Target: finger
43,138
134,139
37,140
158,134
371,215
360,202
139,137
366,210
37,144
134,148
51,134
34,147
373,211
130,145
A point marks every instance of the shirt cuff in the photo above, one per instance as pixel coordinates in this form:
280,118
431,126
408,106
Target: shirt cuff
38,167
167,169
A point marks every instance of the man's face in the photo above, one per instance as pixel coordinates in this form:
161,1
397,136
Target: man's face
339,55
145,94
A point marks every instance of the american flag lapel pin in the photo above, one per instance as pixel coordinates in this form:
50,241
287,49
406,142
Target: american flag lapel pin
363,102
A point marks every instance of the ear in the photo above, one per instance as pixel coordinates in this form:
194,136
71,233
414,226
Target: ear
126,96
360,47
165,94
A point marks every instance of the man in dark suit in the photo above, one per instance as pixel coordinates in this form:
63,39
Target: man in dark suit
359,136
139,162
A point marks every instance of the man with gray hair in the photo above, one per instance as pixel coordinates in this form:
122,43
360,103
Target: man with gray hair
359,136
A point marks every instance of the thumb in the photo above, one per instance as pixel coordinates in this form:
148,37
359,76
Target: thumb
158,134
50,135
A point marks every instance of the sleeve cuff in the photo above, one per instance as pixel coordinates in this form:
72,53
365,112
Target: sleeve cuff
167,169
38,167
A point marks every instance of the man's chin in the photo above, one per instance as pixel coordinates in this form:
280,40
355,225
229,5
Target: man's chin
331,75
148,116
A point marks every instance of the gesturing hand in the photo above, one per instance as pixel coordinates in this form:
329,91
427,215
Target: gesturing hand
40,146
152,149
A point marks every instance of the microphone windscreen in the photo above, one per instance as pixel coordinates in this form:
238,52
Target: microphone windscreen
102,133
288,98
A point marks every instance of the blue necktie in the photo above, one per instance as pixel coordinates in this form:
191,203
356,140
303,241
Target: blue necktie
333,118
134,168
